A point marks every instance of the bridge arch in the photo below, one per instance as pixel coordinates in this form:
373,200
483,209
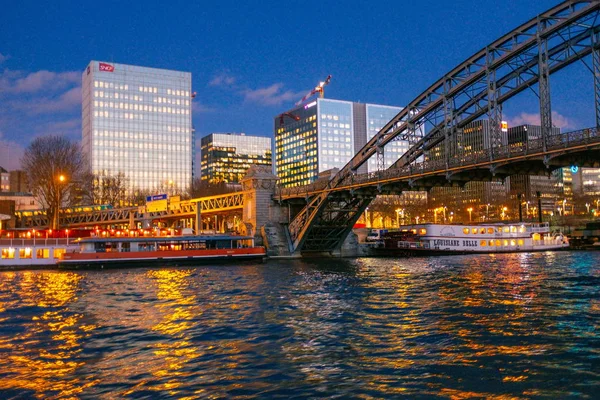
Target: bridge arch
479,86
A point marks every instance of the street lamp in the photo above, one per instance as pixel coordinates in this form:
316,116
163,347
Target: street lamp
470,210
564,206
504,210
61,181
417,219
587,205
67,232
451,216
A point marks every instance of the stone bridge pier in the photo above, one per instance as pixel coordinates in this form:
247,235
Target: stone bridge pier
263,218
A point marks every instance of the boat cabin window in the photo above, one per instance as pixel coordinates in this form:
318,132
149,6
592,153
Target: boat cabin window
25,253
513,229
126,247
513,242
483,243
490,230
474,230
521,242
58,253
522,229
466,231
506,229
43,253
482,231
8,253
505,242
498,242
422,231
491,242
146,247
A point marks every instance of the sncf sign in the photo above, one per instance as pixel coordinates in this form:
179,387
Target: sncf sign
106,67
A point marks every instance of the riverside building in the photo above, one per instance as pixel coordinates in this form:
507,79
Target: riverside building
138,121
225,157
324,134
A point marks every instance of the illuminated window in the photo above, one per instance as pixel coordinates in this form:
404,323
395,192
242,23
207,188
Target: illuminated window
490,230
520,242
8,253
25,253
43,253
474,230
58,253
466,231
483,243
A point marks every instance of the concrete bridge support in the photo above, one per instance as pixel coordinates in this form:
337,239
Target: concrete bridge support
262,216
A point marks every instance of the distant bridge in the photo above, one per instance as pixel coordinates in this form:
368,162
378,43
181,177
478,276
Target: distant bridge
132,215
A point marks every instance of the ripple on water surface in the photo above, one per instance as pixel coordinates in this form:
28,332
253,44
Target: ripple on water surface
506,326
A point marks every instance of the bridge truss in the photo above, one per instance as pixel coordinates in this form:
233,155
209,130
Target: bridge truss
479,86
119,216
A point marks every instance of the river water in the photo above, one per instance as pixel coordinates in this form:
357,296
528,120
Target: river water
496,326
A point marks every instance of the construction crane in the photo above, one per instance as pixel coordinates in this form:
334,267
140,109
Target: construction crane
287,114
318,89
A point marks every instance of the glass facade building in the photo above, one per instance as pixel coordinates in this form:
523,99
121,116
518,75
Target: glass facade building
225,157
138,121
325,134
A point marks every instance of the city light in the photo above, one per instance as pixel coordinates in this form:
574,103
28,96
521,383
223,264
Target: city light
470,210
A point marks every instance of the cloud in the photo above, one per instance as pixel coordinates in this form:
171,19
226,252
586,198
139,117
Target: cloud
222,79
10,154
3,58
19,83
198,107
273,95
558,120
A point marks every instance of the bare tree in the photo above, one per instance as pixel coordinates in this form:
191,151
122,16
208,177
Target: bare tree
108,189
55,167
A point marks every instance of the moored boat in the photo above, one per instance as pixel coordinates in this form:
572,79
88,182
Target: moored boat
104,252
465,239
28,253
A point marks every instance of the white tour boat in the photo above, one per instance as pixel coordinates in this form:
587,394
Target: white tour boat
464,239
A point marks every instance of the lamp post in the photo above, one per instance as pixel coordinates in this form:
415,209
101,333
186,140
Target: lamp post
67,232
417,219
564,202
587,205
451,216
59,188
470,210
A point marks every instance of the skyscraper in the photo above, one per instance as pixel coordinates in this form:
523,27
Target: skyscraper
227,156
325,134
138,121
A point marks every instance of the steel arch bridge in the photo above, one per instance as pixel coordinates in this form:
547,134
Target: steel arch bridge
517,61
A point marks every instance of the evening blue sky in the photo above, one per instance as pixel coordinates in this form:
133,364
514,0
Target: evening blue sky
252,60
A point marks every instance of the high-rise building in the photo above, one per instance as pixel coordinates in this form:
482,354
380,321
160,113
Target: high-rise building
486,200
325,134
550,186
138,121
586,182
225,157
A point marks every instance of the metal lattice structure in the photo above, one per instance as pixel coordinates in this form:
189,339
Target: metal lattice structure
478,87
117,216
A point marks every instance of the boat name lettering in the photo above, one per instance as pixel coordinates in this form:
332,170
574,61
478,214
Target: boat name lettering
470,243
446,242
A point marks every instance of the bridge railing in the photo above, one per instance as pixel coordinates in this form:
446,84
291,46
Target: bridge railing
532,146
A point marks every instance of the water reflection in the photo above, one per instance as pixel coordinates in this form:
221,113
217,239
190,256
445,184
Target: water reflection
41,338
499,326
